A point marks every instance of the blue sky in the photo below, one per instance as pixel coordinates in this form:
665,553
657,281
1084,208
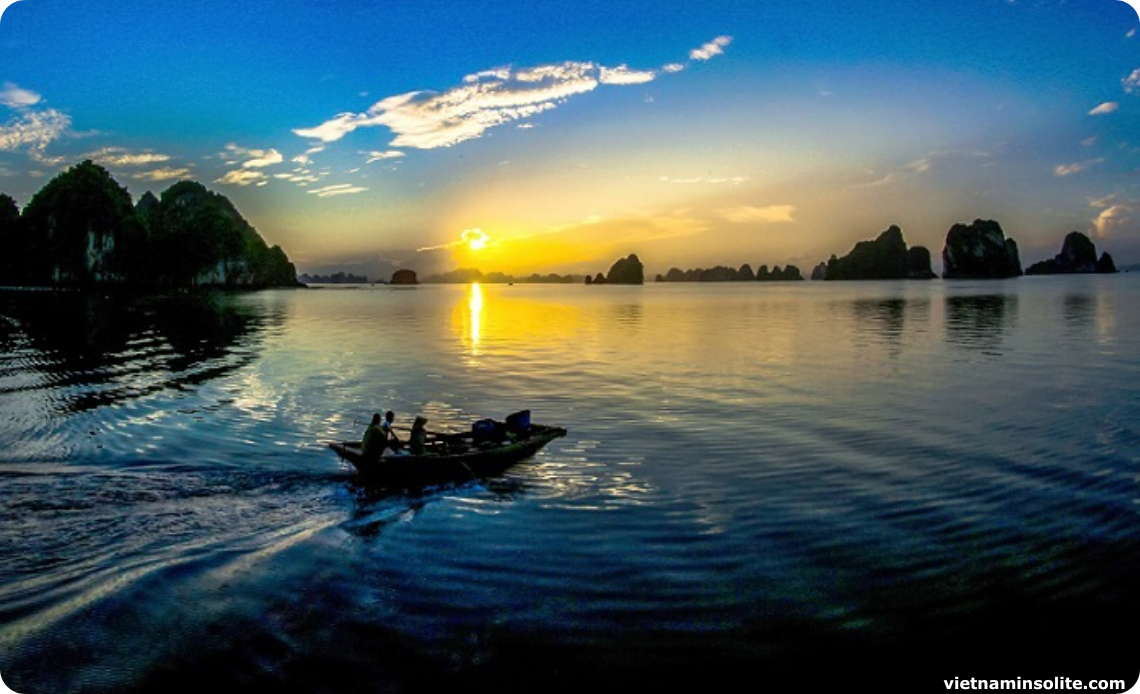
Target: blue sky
559,136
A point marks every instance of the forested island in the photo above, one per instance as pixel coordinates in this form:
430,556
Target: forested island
81,230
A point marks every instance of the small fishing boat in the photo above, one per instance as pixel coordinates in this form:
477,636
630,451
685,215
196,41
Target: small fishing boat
487,450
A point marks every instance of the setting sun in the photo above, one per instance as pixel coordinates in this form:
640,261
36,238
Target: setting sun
475,239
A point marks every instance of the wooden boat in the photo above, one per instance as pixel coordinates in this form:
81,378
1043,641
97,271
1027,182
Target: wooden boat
487,450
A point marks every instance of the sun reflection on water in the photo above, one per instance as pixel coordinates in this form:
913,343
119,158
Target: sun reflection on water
474,318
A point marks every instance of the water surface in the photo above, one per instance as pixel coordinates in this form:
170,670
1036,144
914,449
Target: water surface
771,479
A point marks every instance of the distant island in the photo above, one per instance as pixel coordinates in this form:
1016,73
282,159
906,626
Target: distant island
979,250
1077,256
628,270
469,275
335,278
721,273
81,230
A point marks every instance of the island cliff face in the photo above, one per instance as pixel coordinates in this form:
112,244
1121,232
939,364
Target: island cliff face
1077,256
885,258
979,251
82,230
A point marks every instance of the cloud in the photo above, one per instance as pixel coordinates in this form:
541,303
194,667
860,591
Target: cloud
772,214
339,189
1070,169
1131,83
242,177
162,174
13,96
381,156
120,156
428,120
487,99
30,129
732,180
1105,108
623,75
34,131
1111,219
711,49
254,158
249,160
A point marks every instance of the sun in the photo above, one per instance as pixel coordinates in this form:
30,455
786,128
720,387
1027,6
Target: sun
475,239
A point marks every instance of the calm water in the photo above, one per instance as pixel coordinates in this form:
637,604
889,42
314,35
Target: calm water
905,481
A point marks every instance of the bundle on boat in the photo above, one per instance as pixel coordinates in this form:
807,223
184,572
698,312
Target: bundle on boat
489,448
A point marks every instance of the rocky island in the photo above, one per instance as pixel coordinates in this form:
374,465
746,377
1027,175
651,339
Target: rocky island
885,258
627,270
979,251
1077,256
81,230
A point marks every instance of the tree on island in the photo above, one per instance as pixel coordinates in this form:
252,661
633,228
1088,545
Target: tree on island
81,230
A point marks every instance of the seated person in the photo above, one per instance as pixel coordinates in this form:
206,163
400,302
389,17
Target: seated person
390,439
418,440
375,438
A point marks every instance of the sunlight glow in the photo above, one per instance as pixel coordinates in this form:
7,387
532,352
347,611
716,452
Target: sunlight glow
475,239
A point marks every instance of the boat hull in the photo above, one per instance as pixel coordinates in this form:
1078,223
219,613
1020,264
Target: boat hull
458,459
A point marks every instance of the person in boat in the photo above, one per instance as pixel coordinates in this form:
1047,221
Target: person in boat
417,441
390,439
375,438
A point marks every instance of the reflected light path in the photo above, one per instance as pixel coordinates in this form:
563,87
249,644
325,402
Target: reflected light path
474,317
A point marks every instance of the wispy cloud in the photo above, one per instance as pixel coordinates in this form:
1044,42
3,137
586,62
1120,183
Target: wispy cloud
923,165
1105,108
243,177
488,99
623,75
339,189
250,162
167,173
1070,169
14,96
1111,219
730,180
252,158
711,49
1131,83
120,156
771,214
374,157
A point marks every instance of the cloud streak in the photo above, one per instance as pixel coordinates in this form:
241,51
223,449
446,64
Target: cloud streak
771,214
488,99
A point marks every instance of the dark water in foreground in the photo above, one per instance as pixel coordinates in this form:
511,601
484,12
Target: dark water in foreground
877,484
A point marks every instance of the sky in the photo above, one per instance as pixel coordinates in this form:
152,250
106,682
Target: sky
549,136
